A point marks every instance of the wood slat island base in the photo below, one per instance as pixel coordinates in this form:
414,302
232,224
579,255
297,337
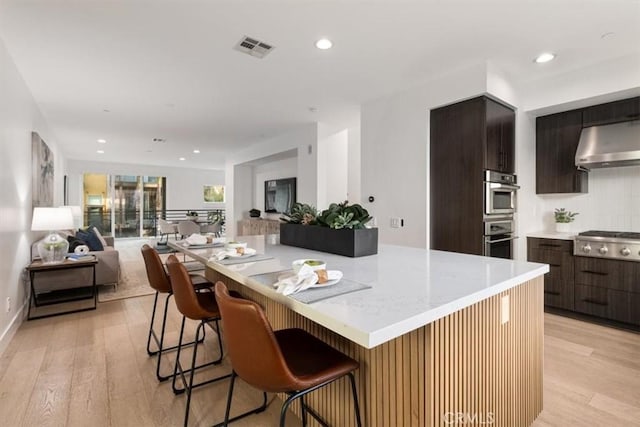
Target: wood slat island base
467,368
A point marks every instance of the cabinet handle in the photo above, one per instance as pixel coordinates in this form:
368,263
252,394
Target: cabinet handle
552,292
593,301
555,265
550,245
598,273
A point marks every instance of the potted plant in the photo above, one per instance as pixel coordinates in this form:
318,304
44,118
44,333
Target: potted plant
339,229
564,218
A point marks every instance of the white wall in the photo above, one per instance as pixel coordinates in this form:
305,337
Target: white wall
354,190
184,186
19,116
239,170
333,164
395,149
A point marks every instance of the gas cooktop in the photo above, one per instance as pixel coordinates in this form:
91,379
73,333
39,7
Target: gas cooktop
608,244
611,234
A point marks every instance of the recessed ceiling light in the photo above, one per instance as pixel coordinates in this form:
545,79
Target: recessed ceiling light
196,151
544,57
609,34
324,44
102,141
182,159
106,111
313,109
100,151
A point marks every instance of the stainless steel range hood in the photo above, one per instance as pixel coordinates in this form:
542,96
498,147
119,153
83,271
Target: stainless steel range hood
609,146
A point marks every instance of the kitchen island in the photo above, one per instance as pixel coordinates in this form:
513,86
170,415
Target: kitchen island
442,338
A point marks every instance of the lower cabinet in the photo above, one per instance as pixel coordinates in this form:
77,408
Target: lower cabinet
605,288
558,283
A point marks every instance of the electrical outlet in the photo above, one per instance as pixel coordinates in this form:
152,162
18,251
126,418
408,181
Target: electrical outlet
8,304
504,310
395,222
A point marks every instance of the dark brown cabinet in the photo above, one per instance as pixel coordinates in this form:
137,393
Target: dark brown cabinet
500,143
612,112
604,288
559,282
466,138
557,138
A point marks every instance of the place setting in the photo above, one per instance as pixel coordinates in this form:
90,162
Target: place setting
309,281
237,253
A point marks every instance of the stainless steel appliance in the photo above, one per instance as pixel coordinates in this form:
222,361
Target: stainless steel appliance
499,236
609,145
608,244
499,193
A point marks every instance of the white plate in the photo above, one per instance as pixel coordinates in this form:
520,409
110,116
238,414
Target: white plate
334,277
247,253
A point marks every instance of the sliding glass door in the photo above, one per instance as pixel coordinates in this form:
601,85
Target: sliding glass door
123,205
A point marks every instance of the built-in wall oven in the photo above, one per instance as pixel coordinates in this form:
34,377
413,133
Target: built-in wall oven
499,234
499,193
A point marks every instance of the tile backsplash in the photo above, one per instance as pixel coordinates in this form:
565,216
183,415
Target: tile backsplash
613,202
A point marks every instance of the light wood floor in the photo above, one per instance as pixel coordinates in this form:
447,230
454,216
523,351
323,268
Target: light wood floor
91,369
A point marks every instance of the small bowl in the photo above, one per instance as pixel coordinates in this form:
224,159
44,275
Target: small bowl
235,245
315,264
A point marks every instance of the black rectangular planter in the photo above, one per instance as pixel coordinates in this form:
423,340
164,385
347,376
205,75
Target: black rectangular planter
353,243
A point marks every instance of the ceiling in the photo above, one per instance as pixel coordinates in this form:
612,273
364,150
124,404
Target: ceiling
131,71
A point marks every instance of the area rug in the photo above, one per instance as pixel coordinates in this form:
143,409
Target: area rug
133,276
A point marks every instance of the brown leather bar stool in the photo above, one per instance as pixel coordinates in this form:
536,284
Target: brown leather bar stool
159,281
290,360
199,306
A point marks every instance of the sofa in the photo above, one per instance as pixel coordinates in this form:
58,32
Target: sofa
107,271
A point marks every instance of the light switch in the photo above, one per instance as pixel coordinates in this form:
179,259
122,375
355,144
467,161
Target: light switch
395,222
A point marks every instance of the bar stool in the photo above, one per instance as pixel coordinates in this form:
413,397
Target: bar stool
199,306
290,360
159,281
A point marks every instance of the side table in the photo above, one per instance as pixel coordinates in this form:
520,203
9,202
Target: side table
43,297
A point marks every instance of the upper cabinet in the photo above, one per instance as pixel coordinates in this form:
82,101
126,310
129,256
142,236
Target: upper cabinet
557,139
612,112
500,134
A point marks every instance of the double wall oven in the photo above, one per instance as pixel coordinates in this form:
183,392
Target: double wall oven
500,191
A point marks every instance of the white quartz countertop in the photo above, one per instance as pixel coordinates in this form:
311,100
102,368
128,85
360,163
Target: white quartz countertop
552,235
411,287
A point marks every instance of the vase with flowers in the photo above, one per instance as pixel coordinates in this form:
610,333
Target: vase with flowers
564,218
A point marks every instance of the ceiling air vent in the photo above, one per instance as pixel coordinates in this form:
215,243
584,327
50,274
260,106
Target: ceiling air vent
253,47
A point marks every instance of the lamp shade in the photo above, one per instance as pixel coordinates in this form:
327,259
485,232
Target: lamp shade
48,219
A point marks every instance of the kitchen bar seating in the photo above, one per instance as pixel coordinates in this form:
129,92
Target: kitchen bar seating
290,361
159,281
199,306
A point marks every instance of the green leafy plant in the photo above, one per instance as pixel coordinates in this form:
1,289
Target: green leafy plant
564,216
300,213
343,215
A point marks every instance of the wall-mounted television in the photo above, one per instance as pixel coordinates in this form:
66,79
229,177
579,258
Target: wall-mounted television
279,195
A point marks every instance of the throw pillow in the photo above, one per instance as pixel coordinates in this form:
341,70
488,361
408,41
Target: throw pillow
97,233
91,239
74,242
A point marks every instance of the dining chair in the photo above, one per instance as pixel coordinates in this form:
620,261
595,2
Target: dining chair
201,307
291,361
167,228
215,228
160,282
187,228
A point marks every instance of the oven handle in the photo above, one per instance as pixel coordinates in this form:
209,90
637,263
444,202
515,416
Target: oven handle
488,239
505,186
